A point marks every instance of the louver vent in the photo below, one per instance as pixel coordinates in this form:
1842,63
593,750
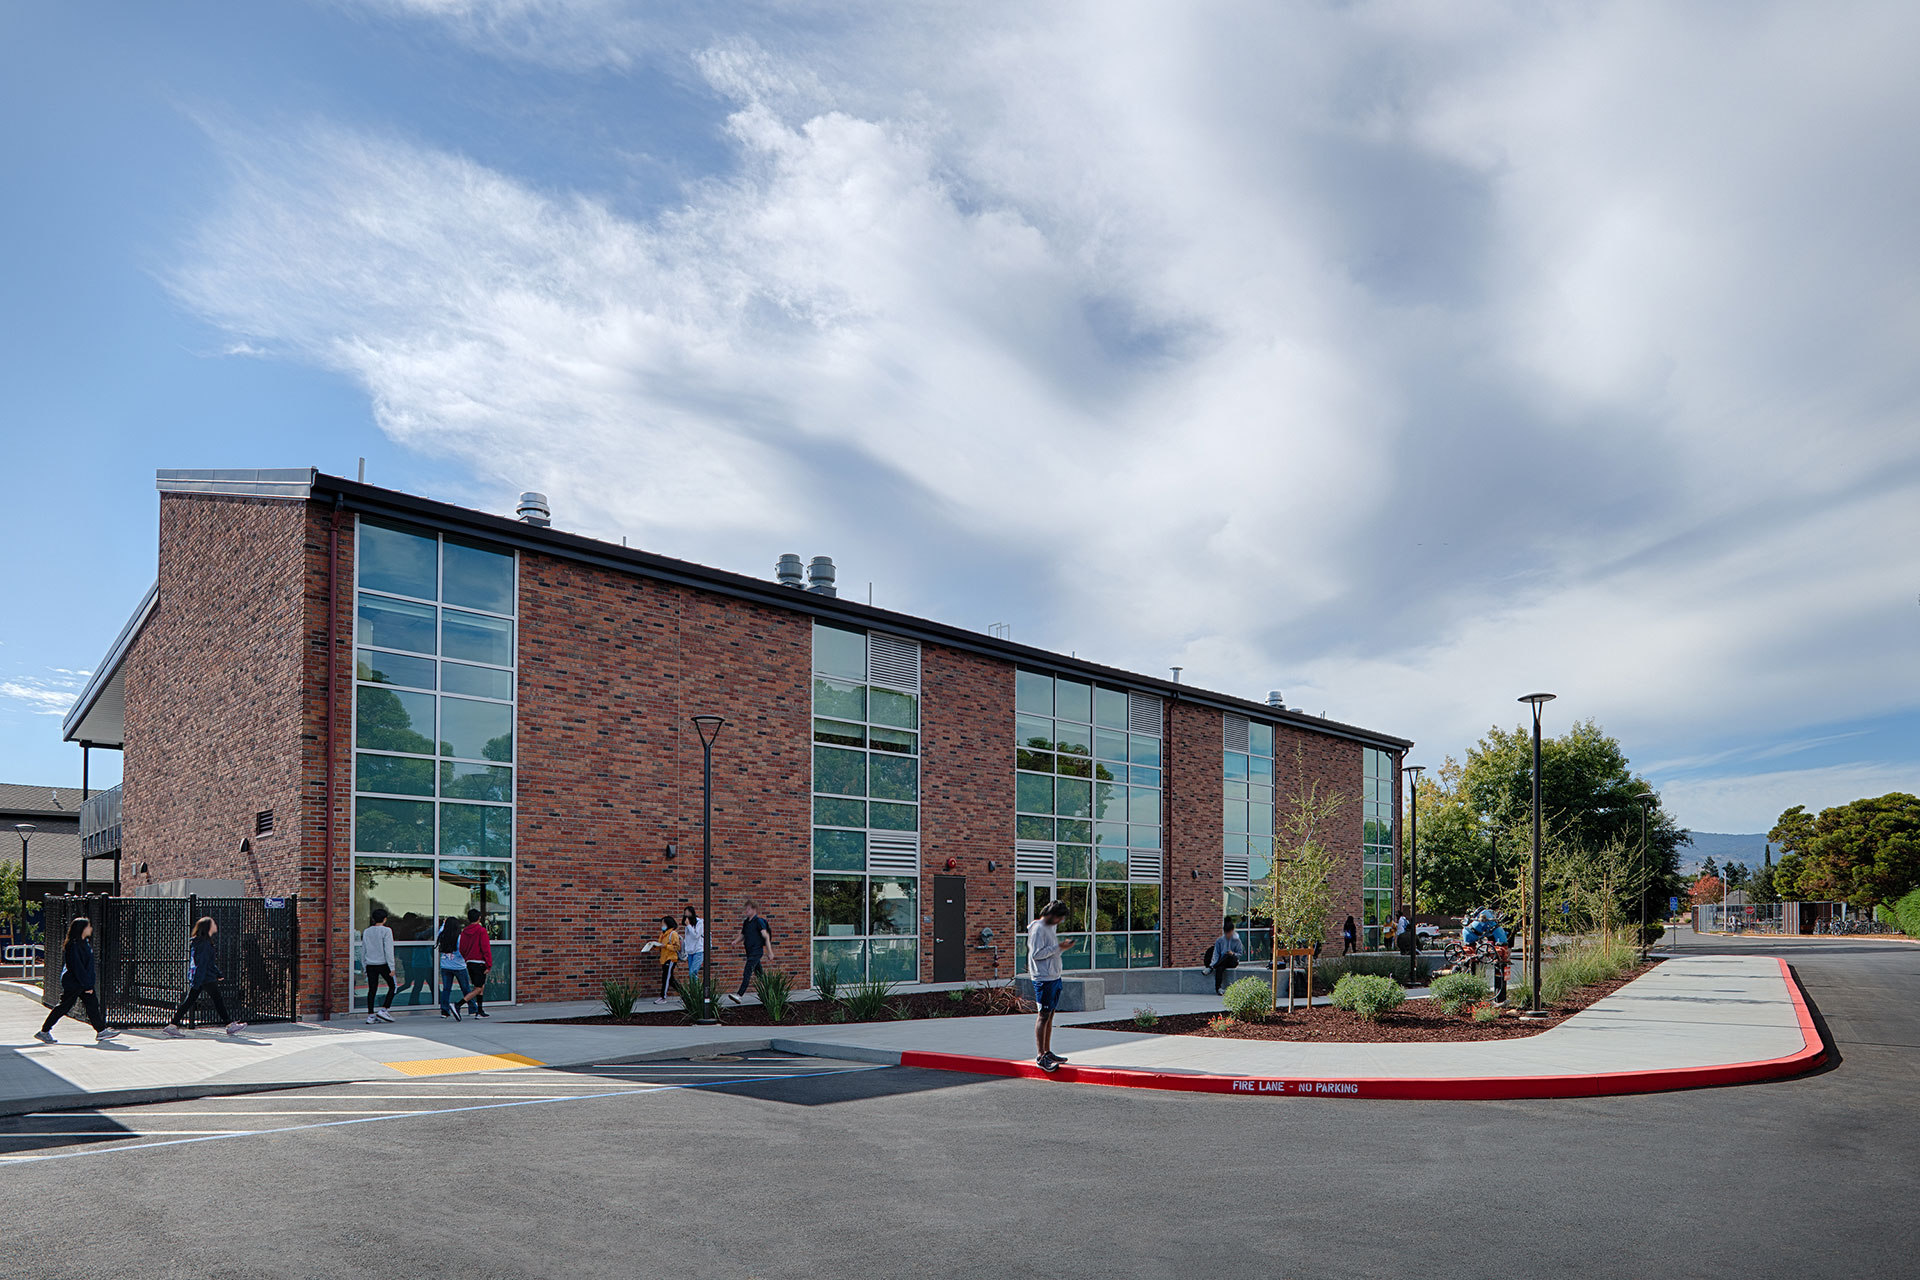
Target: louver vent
1143,713
1033,860
263,823
1236,871
1236,732
893,662
1144,864
894,855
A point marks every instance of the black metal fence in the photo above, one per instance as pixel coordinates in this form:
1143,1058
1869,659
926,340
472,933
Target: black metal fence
140,948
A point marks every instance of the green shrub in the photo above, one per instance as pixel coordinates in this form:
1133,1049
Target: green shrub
1327,973
1906,914
959,996
827,982
775,990
1485,1013
1144,1017
867,1001
698,993
619,996
1369,995
1458,990
1249,999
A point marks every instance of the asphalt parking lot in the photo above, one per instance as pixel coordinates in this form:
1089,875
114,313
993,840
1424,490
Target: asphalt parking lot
776,1166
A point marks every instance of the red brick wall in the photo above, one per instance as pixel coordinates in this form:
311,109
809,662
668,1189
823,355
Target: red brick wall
612,668
321,829
1334,767
966,797
213,697
1191,906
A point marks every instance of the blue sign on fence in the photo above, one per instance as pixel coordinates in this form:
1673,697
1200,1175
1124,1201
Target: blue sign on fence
276,904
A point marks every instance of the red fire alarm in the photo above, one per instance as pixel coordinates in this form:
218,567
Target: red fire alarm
952,863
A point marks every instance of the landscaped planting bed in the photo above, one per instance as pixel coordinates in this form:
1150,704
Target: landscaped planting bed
973,1003
1416,1020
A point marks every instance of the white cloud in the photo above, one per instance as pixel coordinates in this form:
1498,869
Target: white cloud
1404,362
1753,802
49,695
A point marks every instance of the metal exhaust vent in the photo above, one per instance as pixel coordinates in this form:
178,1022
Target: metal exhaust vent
534,510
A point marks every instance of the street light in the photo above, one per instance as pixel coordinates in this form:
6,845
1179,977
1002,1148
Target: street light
1646,800
26,829
1533,932
1413,862
709,729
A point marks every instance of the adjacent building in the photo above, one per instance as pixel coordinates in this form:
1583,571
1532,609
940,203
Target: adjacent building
368,698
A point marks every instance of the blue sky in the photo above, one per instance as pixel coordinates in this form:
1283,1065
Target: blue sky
1402,359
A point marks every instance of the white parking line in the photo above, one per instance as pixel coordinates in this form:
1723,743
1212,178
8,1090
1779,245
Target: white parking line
101,1150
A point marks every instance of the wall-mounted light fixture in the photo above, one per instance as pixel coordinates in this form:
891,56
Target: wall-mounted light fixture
672,850
992,865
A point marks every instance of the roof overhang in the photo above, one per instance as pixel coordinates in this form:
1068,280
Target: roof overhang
99,715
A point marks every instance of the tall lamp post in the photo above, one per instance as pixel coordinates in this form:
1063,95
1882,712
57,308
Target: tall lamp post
1646,800
1413,854
1537,700
26,829
709,729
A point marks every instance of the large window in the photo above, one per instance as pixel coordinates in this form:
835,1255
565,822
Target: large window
1247,821
433,710
866,805
1376,852
1087,826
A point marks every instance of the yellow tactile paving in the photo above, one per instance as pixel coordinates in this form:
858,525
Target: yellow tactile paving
455,1066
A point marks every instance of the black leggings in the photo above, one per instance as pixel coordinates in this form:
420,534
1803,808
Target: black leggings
666,978
193,997
67,996
376,974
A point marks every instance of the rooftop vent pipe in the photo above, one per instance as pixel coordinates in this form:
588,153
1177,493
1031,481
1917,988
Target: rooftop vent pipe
789,572
533,509
1275,700
820,576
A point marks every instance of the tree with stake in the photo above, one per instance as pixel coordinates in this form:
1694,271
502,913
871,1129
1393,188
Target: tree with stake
1298,893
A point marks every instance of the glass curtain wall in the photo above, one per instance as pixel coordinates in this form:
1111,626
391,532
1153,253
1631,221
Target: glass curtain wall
433,724
1247,820
1087,786
866,805
1376,853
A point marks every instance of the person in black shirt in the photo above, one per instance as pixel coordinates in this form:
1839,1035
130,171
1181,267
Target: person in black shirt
77,983
756,938
203,974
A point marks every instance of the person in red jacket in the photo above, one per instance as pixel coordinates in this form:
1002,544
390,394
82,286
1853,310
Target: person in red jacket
477,949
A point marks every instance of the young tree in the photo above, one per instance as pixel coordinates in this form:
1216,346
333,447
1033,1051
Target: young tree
1297,895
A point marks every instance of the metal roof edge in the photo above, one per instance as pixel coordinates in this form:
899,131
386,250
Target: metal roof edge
295,483
110,665
392,503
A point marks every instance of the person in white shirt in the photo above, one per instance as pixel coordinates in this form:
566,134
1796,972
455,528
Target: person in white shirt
376,951
693,943
1044,950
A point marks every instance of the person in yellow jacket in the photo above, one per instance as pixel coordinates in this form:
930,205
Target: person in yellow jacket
668,945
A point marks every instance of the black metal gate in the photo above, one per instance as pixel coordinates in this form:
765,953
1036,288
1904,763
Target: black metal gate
140,948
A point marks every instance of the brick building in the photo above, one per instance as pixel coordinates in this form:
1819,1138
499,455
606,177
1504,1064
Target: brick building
365,697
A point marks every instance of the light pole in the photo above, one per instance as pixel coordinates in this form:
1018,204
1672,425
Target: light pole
1413,862
26,829
1538,700
1646,800
709,729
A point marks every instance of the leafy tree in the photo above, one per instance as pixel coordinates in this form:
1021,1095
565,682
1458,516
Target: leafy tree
1736,875
1865,852
10,906
1708,868
1793,830
1476,817
1707,889
1297,895
1763,888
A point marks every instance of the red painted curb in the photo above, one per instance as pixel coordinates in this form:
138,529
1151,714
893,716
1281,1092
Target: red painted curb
1579,1085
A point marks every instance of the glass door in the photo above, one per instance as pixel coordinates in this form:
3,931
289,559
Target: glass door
1030,898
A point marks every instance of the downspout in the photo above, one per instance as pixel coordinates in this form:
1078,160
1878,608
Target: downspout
333,661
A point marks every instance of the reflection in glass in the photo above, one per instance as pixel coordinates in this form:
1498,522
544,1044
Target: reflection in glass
394,624
840,850
486,885
400,560
1110,708
1073,860
845,957
893,904
833,812
839,699
894,959
901,710
1033,692
894,817
838,772
393,775
1144,907
1110,951
476,831
476,781
475,637
403,887
894,779
1074,798
393,719
837,733
1033,793
898,740
393,826
393,668
1110,907
480,682
839,652
839,906
478,730
477,577
1073,700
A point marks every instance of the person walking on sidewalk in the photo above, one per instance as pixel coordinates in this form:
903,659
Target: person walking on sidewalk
693,943
668,945
756,938
1044,950
1409,944
376,952
1349,934
1225,954
203,974
476,948
453,968
77,983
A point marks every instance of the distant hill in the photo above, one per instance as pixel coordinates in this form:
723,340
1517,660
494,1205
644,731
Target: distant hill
1720,846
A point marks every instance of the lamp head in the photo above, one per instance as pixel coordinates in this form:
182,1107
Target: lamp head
708,727
1647,800
25,829
1537,698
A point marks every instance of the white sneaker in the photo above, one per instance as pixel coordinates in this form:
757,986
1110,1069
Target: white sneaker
235,1028
105,1035
371,1019
172,1031
383,1015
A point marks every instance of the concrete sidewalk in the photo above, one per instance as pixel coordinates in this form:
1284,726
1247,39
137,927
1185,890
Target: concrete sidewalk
1691,1013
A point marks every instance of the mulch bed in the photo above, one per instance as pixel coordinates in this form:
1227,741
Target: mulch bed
1414,1021
918,1004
